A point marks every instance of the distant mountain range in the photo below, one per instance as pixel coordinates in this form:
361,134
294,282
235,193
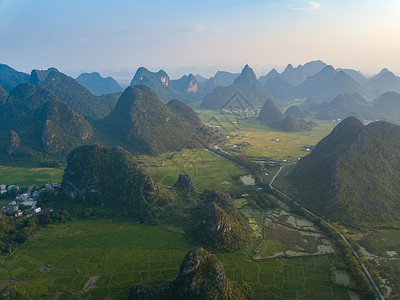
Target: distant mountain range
10,78
385,81
337,177
385,107
246,90
186,89
98,85
75,95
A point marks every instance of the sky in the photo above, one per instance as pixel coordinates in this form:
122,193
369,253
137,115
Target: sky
180,36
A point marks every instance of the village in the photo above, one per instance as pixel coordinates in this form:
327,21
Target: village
25,203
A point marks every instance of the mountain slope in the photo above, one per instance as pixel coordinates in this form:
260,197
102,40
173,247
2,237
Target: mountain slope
78,97
187,84
336,178
159,82
141,123
246,87
344,106
201,276
110,177
328,84
280,89
270,113
296,76
385,81
10,78
272,74
99,85
3,95
221,78
356,75
45,127
387,106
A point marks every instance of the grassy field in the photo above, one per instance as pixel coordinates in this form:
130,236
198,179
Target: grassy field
25,177
124,254
294,278
291,145
207,170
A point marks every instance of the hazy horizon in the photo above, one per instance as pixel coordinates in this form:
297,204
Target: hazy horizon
198,38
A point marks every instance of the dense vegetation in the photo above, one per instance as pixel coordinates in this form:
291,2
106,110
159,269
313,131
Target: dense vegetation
36,127
141,123
352,173
15,232
10,78
201,276
110,177
222,227
78,97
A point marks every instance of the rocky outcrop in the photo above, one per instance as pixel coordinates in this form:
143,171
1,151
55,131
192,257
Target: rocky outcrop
222,227
201,276
13,143
184,183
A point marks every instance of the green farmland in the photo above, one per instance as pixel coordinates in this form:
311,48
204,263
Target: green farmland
123,254
25,177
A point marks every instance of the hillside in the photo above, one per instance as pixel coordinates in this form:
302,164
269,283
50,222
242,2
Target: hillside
344,106
10,78
296,111
110,177
336,178
356,75
222,227
296,76
78,97
271,74
141,123
270,113
385,81
327,84
159,82
3,95
221,78
99,85
246,87
38,128
280,89
187,84
387,106
201,276
38,76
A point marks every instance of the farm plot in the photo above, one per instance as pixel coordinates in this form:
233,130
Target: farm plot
97,257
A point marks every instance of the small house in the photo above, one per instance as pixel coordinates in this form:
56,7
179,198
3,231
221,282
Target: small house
37,210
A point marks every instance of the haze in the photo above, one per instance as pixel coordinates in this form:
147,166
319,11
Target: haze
198,37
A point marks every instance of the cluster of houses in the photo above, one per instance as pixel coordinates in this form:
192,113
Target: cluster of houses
239,111
26,199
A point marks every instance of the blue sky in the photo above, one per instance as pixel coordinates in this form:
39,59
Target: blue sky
198,37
